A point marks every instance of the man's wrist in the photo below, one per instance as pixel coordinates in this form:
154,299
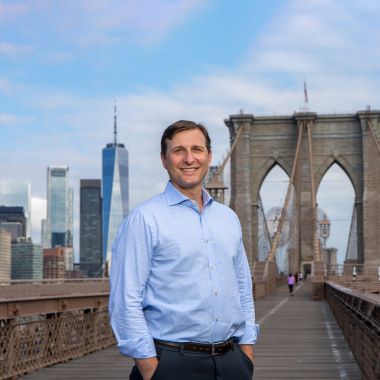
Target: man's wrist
147,367
248,350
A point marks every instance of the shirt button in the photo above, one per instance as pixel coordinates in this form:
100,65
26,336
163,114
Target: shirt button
217,319
206,241
212,267
216,292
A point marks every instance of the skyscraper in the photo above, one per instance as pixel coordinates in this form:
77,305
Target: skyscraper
17,193
5,256
90,241
45,234
115,192
59,225
13,220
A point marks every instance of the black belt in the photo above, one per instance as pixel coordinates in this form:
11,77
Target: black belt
212,349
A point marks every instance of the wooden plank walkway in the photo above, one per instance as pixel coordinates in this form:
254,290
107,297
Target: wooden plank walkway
299,340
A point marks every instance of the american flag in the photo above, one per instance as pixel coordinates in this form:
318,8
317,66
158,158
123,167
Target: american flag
305,92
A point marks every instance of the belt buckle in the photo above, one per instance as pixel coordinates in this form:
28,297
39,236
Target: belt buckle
213,353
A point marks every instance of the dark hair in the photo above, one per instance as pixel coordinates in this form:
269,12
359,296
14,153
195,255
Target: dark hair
180,126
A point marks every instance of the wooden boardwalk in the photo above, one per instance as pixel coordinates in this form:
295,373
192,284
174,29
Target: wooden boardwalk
299,340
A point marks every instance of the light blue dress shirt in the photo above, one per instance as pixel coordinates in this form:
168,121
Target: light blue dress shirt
180,275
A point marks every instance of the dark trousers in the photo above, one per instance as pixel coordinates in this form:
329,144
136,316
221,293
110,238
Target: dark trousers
176,365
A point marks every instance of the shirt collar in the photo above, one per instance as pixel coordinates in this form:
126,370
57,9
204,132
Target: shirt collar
174,196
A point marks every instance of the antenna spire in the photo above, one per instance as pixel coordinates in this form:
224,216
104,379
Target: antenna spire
115,123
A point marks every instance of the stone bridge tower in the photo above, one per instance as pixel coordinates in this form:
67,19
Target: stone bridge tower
350,140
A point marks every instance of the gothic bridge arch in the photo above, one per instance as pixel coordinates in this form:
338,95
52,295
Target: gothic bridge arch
350,140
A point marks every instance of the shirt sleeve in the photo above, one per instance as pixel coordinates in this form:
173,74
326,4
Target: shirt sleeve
130,266
244,279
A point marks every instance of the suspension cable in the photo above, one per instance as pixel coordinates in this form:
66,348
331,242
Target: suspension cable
221,167
277,235
370,127
316,248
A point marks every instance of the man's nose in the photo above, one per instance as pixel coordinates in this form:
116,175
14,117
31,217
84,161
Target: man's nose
189,158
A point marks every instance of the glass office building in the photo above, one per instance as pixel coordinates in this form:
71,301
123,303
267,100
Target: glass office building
59,224
115,190
18,194
13,220
90,241
27,261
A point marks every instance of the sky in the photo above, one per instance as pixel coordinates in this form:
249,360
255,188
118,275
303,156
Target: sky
62,65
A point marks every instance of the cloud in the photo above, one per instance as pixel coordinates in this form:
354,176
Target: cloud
333,45
10,119
149,20
95,22
7,87
14,50
9,11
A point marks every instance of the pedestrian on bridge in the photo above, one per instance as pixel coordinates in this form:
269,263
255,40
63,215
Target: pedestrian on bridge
291,281
181,299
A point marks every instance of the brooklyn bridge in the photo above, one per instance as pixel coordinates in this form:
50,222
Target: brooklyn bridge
329,329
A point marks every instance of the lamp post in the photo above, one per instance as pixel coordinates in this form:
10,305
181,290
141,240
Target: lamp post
324,229
216,188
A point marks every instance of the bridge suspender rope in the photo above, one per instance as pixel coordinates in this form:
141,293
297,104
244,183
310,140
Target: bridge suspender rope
277,235
215,185
316,250
221,167
266,230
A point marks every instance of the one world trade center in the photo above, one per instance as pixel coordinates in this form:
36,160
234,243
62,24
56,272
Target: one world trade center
115,192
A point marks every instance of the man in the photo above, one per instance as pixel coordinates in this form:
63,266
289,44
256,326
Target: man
181,293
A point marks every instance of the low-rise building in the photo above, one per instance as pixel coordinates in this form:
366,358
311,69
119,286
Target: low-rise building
5,256
26,261
54,262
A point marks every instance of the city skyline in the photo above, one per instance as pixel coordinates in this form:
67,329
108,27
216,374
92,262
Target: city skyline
162,62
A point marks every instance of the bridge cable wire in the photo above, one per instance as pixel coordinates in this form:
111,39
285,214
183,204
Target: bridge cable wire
371,128
277,234
352,247
264,239
220,169
316,244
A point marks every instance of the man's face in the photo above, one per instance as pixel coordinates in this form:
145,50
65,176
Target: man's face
187,159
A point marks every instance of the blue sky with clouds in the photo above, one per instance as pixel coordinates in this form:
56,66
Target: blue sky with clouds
63,63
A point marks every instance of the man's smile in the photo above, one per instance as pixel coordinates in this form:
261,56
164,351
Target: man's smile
189,169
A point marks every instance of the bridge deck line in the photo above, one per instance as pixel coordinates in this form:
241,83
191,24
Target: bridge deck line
299,339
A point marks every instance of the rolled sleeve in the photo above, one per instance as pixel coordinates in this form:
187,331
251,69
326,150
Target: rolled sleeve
130,267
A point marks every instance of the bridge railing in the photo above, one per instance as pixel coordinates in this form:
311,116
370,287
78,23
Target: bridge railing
23,289
38,331
353,270
358,315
